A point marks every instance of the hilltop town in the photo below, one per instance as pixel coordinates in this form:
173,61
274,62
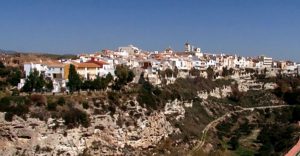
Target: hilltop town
132,102
151,64
149,78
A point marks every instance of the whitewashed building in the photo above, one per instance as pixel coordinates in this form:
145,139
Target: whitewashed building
211,63
267,61
130,49
30,66
54,70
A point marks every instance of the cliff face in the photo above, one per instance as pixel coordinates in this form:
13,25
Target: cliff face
106,134
130,130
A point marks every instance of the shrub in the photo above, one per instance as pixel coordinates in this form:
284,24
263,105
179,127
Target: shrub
39,100
4,104
75,117
194,72
20,109
113,98
112,109
61,101
85,105
169,72
51,106
233,143
96,104
14,106
8,116
147,97
123,76
15,92
235,95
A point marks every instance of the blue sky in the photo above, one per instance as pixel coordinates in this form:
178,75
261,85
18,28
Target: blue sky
244,27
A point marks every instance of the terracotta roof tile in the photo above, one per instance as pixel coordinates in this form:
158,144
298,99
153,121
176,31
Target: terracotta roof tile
87,65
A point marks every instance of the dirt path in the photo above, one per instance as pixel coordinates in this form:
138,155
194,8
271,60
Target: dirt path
223,117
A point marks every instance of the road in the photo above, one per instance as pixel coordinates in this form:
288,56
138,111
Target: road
223,117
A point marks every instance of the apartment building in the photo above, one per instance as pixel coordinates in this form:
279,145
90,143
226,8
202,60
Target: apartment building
267,61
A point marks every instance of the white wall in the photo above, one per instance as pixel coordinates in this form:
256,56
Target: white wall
54,70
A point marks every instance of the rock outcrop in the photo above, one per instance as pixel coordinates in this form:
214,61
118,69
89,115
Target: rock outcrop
106,135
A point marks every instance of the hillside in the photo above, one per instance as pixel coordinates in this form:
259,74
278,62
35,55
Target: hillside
193,116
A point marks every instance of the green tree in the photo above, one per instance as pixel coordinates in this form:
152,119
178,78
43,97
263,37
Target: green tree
109,77
236,95
265,71
98,82
176,71
231,71
34,82
14,77
4,72
194,72
2,65
40,83
74,82
130,76
87,85
210,73
169,72
225,72
124,75
27,86
101,83
142,78
148,95
49,84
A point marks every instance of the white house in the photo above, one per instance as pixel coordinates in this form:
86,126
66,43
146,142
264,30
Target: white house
55,70
241,62
182,64
211,63
29,67
165,64
84,58
228,61
196,62
108,66
122,53
198,52
259,64
130,49
133,63
290,67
